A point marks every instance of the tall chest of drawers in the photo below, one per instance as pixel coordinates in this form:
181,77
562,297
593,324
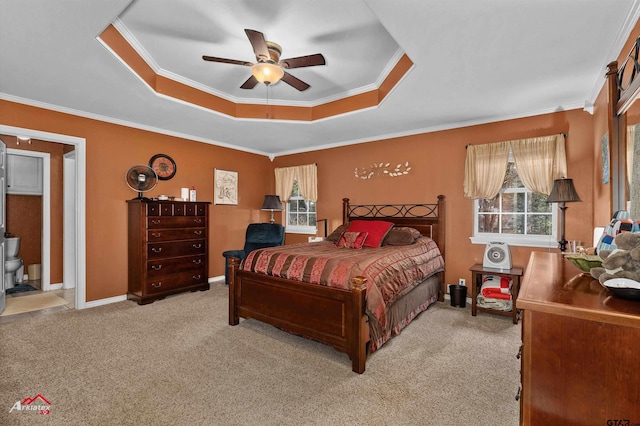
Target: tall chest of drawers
168,248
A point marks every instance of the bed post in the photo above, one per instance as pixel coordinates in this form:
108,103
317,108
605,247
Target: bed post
441,223
345,210
234,264
359,327
441,243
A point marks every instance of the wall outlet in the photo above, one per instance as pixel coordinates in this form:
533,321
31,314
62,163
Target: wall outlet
462,281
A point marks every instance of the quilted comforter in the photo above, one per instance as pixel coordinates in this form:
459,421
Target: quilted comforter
391,271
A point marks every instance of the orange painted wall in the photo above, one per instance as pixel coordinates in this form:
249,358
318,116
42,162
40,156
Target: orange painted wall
437,161
111,150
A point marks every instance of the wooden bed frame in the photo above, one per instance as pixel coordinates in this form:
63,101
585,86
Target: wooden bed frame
332,316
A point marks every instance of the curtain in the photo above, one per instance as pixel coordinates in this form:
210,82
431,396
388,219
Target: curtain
484,169
284,182
307,177
308,181
540,161
631,134
633,169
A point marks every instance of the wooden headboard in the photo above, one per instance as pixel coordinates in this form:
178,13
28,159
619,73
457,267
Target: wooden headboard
429,219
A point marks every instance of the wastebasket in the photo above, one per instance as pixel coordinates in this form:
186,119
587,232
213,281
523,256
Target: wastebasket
34,271
458,294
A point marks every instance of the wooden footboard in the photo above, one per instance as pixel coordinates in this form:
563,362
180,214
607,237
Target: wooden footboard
331,316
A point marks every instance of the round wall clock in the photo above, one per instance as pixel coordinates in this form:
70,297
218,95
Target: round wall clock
163,165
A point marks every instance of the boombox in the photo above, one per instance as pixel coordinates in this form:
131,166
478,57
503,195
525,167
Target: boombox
497,256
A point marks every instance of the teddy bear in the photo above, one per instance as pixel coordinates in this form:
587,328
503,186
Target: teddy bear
622,262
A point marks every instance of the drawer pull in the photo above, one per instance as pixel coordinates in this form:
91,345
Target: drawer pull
197,277
197,246
197,232
156,249
518,393
157,285
156,267
197,220
155,221
519,352
156,234
197,261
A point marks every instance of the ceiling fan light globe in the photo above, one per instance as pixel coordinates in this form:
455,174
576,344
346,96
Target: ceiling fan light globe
267,73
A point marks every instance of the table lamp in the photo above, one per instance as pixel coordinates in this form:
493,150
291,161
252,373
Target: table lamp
563,192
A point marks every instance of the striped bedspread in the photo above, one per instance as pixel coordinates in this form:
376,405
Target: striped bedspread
391,271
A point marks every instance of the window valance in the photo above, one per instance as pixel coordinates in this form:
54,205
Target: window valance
307,177
539,162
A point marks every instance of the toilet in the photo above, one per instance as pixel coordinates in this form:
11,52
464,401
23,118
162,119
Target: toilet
12,262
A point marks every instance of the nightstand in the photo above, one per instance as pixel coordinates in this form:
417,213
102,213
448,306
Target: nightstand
477,271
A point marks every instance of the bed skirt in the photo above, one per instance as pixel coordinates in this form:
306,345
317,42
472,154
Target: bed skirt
404,310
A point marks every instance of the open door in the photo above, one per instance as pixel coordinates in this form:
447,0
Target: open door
3,225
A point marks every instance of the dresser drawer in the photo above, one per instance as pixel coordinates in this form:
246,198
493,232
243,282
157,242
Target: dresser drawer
174,249
175,234
172,282
160,222
174,265
196,209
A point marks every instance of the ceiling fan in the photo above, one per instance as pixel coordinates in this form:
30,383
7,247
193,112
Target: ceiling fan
269,69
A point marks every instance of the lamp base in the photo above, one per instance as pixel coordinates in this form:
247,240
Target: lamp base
563,245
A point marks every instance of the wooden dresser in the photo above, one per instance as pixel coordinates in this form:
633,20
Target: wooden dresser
581,348
168,248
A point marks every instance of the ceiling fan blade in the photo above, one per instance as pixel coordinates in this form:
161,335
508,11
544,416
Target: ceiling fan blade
250,83
303,61
258,43
226,61
294,82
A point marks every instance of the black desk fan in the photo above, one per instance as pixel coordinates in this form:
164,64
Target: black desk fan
141,178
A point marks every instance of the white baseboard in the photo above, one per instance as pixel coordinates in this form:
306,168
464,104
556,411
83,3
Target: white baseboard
214,279
57,286
448,297
106,301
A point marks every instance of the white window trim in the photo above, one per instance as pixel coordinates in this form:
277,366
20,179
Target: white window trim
312,230
545,241
297,229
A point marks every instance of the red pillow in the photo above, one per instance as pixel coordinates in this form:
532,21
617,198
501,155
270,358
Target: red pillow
352,240
377,230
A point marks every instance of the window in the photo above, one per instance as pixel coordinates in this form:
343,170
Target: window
515,216
301,213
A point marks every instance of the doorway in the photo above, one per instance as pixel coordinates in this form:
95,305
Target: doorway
77,242
45,242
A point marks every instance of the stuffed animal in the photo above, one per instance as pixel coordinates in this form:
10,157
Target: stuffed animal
623,262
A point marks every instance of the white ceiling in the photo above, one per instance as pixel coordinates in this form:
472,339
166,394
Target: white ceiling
475,61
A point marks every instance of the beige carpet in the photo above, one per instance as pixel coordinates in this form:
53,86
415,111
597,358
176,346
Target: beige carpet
178,362
31,302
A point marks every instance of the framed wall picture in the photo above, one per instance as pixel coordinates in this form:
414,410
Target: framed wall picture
605,159
225,187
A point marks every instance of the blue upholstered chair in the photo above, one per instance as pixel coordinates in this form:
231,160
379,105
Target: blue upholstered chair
259,235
